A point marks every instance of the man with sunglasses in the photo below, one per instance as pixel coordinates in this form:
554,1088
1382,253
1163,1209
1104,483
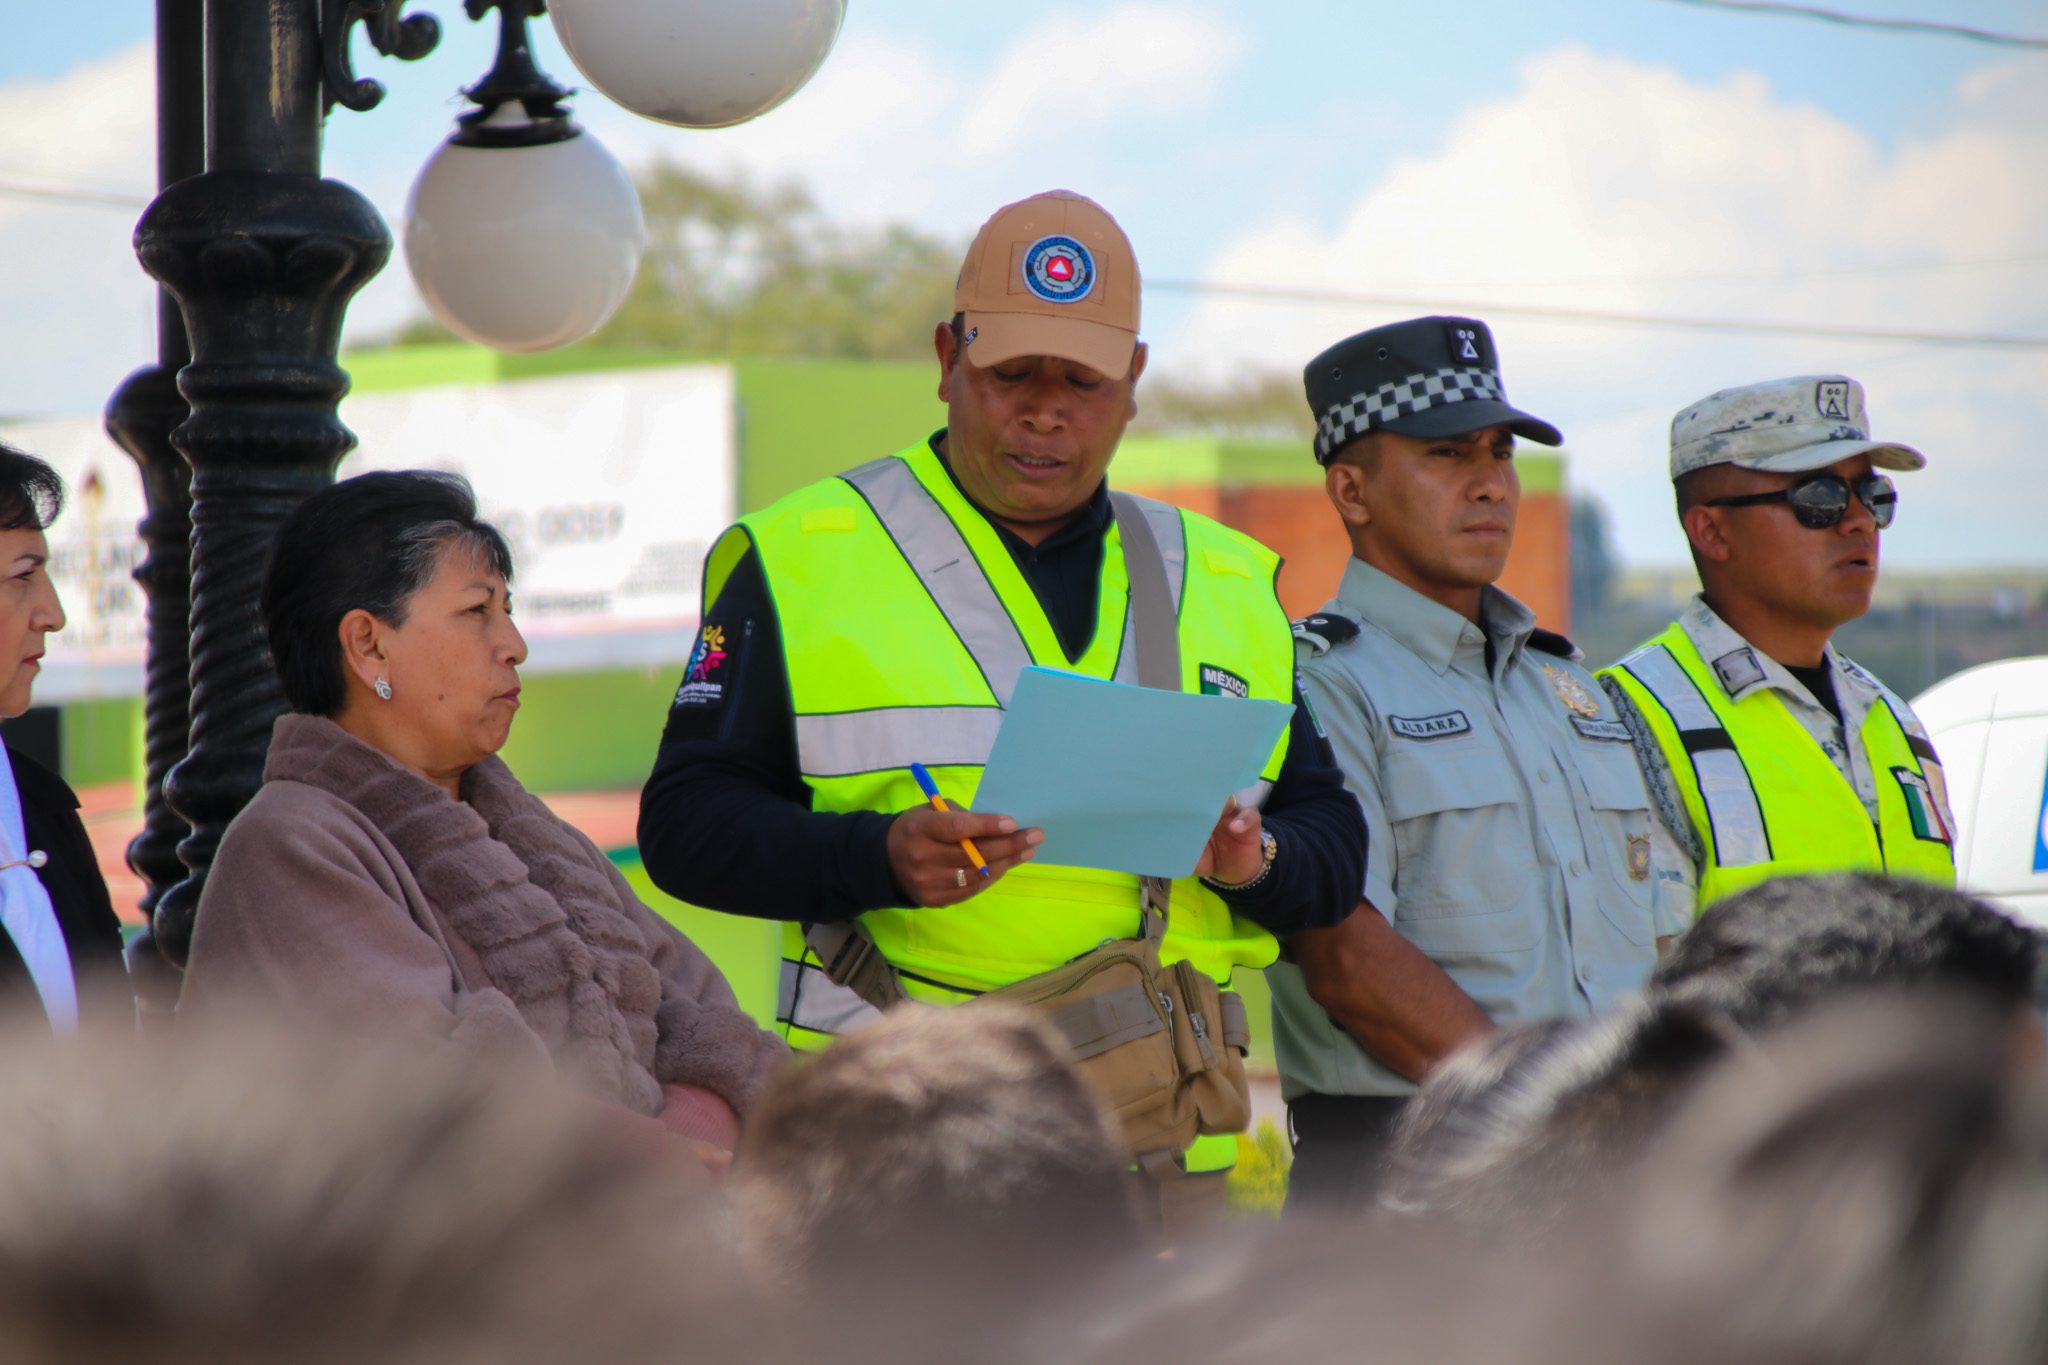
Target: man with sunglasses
1770,753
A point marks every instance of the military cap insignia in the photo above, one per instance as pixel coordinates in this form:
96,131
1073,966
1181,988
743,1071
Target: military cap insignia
1574,694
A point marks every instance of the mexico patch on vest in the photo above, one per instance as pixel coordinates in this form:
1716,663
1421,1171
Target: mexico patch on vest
1921,807
1430,727
1221,682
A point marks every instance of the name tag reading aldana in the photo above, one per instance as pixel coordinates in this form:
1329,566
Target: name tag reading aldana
1430,727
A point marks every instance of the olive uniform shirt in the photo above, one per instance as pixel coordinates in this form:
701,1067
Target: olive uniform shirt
1510,825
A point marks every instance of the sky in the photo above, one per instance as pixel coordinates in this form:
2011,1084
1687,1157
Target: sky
1293,172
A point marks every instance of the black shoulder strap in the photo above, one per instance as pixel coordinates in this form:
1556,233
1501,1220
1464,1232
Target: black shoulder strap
1325,630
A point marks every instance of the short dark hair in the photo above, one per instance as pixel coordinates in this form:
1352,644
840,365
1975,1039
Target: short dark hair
31,493
1765,953
369,542
1690,488
1513,1132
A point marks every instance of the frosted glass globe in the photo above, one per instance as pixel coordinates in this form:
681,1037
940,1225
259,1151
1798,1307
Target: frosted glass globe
698,63
523,248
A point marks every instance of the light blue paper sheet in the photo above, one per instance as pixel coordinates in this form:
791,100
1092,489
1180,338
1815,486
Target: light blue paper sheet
1129,779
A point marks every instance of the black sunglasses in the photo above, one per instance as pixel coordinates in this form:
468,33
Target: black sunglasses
1823,501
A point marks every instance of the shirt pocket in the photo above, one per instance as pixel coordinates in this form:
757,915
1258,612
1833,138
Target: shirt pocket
1461,842
1615,826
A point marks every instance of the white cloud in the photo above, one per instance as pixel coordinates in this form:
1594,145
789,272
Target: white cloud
1074,74
887,132
1601,183
78,305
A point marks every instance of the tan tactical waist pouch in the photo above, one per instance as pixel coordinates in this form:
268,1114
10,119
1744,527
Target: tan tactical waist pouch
1163,1046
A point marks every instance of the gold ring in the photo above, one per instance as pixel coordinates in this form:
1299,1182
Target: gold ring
960,877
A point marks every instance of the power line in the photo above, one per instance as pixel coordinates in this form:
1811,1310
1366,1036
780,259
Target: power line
1790,276
1917,26
1604,317
65,194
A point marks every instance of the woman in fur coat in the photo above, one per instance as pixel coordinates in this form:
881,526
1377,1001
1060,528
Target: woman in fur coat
392,873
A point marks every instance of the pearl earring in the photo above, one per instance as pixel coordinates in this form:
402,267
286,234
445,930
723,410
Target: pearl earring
382,687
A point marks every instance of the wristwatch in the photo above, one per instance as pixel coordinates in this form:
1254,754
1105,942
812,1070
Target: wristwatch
1270,847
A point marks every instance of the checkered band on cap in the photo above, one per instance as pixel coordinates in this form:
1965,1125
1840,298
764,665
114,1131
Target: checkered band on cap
1360,413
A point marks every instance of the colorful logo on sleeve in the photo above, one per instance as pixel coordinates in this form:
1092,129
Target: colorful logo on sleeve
704,679
1059,269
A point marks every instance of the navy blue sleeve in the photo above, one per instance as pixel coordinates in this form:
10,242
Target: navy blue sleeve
725,818
1319,873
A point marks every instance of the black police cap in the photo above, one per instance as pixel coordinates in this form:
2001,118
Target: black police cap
1426,377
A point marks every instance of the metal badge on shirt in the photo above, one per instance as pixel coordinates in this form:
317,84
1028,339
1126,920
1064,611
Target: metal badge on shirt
1574,694
1639,857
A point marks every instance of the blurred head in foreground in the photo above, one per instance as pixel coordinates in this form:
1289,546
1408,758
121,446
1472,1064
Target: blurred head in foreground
199,1198
1515,1133
942,1165
1764,954
1871,1186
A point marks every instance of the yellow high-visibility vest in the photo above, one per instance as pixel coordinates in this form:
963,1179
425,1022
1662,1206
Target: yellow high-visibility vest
905,623
1764,799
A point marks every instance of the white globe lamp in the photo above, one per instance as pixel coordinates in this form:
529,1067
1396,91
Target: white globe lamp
698,63
523,248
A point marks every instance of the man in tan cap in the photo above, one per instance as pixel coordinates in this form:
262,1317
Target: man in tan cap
880,619
1771,753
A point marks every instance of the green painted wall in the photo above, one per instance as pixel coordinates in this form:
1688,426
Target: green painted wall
102,742
802,420
580,732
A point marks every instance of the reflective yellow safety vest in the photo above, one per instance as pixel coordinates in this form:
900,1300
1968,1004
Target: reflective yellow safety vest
1765,800
905,623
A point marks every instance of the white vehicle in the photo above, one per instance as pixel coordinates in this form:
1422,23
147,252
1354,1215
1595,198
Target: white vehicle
1990,725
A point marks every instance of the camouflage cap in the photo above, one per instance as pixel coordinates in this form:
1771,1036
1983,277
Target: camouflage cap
1784,426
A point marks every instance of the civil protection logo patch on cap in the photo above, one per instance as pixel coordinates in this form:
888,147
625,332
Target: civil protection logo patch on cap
1059,269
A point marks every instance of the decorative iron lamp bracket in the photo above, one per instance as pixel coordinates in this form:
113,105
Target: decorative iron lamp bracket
391,31
514,76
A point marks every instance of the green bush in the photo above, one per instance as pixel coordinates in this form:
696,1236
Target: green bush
1258,1187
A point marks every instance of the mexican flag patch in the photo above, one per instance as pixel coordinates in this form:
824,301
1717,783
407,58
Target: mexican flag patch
1921,807
1221,682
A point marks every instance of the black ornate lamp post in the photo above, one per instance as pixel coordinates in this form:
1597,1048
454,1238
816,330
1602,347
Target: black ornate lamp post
261,256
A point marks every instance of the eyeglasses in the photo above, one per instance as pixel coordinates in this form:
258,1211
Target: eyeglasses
1823,501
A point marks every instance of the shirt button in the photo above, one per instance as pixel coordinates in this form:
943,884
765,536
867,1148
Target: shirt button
1543,774
1576,867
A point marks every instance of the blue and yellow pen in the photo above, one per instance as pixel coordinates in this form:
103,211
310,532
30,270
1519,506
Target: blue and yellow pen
931,793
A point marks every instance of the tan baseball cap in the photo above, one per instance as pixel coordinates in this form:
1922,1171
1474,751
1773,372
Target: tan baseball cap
1050,275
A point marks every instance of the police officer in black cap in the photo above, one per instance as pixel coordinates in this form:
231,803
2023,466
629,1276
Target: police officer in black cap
1515,859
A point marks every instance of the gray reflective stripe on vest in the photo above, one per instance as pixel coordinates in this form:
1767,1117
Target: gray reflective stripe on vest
1164,519
809,999
847,743
1734,816
939,555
